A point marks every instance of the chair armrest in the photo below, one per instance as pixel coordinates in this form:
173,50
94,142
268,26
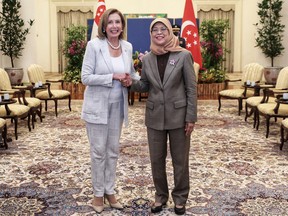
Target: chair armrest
49,89
19,93
56,81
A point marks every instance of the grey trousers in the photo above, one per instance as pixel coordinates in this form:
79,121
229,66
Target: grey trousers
104,150
179,149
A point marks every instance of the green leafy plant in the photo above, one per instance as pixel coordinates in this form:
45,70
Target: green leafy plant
269,29
74,50
12,30
212,34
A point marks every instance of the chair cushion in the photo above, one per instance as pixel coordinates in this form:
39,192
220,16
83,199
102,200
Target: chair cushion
285,123
268,109
256,100
32,102
2,122
236,93
16,109
56,94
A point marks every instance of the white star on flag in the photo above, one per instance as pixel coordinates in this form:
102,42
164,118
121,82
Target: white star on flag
189,31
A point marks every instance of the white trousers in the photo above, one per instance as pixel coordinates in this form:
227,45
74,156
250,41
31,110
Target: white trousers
104,150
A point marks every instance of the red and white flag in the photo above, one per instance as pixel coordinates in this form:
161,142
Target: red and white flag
101,7
189,32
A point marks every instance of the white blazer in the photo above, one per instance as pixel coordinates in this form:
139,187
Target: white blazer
96,74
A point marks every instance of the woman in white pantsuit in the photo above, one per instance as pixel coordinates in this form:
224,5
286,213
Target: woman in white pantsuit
107,62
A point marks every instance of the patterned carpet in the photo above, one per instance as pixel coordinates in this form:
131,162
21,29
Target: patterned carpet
234,169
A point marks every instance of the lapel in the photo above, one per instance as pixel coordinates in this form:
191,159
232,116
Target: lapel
126,57
106,55
173,59
153,64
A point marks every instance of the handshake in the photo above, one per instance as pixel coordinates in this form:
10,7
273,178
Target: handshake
124,78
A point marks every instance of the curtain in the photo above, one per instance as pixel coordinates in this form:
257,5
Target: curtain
67,16
223,12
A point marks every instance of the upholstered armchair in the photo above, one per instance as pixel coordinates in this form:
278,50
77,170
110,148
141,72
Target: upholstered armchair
3,131
284,128
19,91
36,74
277,108
14,111
269,93
252,72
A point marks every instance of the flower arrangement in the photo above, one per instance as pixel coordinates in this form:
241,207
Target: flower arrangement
213,35
74,49
211,76
137,60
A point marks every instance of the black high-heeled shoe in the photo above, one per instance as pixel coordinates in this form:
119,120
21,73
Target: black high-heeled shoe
180,211
158,208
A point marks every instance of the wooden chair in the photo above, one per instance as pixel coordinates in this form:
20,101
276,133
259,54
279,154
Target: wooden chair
11,110
36,74
275,109
34,103
284,128
3,131
252,72
269,91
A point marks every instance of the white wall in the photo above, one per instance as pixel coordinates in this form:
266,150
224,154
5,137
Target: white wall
41,46
250,53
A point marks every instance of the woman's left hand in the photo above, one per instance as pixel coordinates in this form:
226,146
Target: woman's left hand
127,81
189,127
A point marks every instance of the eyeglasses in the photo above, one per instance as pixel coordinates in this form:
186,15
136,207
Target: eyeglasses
156,30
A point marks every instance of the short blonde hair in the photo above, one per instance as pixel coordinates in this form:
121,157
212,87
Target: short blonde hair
104,22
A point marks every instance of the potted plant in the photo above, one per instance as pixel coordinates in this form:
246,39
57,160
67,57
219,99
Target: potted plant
270,35
212,75
74,49
13,36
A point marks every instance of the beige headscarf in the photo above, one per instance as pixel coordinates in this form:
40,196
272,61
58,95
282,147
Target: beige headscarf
172,44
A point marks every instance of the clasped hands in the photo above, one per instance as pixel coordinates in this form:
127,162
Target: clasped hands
124,78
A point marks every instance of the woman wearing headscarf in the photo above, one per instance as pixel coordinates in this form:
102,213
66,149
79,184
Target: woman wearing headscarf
171,111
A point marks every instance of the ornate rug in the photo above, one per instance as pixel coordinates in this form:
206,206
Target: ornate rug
234,169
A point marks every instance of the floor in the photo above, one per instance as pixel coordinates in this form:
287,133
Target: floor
234,169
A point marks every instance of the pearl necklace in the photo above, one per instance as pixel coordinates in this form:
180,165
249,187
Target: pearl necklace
113,47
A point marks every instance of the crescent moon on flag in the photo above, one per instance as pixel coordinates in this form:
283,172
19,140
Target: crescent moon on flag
101,4
186,23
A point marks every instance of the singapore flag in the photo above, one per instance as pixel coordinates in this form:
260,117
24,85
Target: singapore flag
101,7
189,32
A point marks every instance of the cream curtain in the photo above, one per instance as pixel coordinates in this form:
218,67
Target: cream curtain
223,12
67,16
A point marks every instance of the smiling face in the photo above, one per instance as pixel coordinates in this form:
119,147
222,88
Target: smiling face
159,34
114,26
